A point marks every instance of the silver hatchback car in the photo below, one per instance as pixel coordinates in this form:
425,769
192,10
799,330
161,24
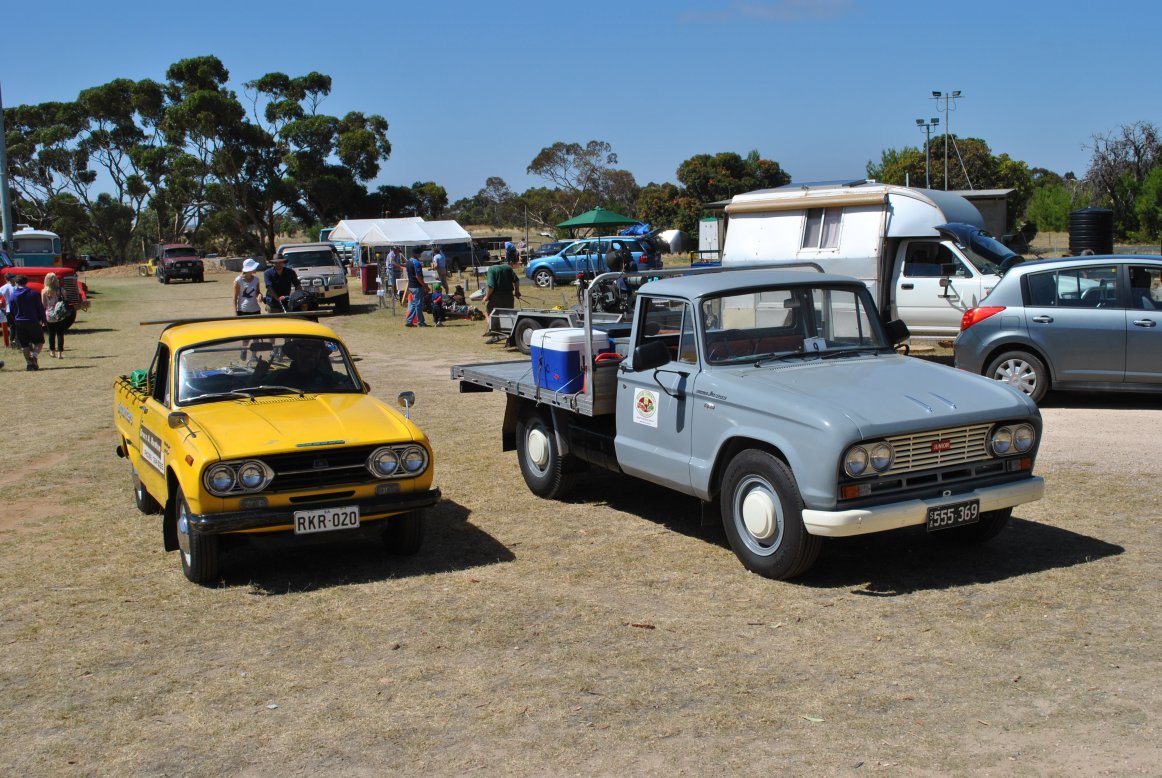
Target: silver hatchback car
1076,323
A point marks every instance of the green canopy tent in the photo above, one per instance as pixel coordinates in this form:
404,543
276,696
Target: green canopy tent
598,217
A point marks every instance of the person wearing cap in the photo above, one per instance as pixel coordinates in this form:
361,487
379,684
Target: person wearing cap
417,290
280,282
247,290
439,313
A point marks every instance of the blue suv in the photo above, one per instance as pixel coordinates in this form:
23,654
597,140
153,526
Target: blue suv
587,257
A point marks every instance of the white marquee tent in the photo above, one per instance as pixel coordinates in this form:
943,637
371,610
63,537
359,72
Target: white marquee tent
412,231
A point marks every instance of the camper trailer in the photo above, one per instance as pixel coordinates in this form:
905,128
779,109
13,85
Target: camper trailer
923,253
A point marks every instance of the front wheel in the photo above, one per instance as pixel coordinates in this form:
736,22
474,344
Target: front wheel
199,552
1021,370
762,513
343,304
544,468
403,534
543,278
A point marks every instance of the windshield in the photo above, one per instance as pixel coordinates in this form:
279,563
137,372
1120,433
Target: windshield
317,258
32,245
772,323
181,251
243,368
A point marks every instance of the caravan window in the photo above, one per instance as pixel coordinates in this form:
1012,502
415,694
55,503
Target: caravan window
822,230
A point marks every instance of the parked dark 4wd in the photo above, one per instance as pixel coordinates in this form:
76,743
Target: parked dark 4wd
179,261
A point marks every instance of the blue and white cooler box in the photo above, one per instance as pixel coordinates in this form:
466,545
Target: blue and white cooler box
556,356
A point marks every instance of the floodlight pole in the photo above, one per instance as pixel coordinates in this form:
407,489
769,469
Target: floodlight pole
927,127
5,203
953,95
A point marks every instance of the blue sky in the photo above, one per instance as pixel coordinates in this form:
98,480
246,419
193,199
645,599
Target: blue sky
476,89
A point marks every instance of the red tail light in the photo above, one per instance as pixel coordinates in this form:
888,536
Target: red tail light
975,315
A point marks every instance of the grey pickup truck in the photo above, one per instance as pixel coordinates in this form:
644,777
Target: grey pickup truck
778,399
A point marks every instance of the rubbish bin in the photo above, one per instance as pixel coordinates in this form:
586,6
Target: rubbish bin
369,274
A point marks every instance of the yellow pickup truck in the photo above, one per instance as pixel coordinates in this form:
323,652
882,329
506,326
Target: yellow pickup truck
255,426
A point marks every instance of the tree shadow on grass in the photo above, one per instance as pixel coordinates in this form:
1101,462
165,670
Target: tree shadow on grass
882,564
286,565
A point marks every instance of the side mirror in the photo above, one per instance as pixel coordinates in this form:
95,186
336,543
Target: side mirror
897,332
650,355
406,400
178,419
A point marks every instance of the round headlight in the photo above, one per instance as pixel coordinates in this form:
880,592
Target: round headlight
881,457
220,479
1023,437
252,476
414,460
1002,441
383,462
855,462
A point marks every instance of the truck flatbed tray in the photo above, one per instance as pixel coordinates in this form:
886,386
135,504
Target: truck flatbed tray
517,378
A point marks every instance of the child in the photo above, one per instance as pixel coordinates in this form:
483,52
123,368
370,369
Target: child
437,301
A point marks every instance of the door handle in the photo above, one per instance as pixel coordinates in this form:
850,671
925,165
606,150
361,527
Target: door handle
1043,319
907,286
1144,322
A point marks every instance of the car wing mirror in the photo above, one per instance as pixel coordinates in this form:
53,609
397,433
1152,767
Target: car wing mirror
406,400
897,332
650,355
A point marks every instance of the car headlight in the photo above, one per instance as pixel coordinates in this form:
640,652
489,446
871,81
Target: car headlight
882,455
316,281
1001,441
415,459
220,479
383,462
335,281
230,478
855,461
254,476
1023,437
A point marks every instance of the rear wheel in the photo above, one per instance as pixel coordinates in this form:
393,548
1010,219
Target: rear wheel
144,500
199,552
1021,370
544,468
543,278
403,534
762,513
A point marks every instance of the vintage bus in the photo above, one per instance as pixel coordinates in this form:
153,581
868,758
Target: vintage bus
35,248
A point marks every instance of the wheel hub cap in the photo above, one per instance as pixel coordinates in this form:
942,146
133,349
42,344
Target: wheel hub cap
759,515
538,448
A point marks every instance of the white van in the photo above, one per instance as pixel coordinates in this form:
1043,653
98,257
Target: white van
923,253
